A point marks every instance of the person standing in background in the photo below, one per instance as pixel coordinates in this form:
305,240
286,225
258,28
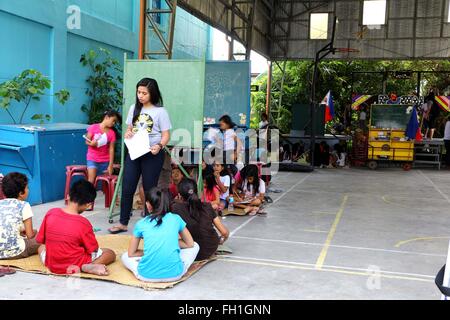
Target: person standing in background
447,142
362,119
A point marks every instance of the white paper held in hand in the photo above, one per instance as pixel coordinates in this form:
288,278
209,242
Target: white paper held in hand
138,145
102,141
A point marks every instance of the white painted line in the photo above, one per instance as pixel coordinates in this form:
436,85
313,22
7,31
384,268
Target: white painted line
312,265
274,201
292,188
341,246
241,226
435,186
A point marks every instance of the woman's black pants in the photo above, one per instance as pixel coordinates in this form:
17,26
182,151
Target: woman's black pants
149,166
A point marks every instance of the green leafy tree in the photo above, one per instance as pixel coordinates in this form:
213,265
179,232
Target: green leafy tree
105,84
26,88
336,75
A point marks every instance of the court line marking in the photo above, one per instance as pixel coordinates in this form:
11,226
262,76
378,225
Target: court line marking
400,243
342,246
435,186
323,213
355,194
314,231
326,246
274,201
335,269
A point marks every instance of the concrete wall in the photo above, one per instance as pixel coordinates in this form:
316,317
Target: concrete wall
34,34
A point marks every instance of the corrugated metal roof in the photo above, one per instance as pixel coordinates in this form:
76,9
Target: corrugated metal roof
414,29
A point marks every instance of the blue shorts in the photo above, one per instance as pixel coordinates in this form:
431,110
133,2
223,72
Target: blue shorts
100,166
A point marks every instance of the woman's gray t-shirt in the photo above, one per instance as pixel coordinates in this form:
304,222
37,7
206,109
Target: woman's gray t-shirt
153,119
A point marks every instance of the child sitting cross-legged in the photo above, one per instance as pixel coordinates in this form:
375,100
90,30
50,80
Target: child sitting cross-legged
211,193
176,177
250,191
202,221
223,181
17,236
169,249
69,244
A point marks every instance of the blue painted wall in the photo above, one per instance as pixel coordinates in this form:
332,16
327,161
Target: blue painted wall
34,35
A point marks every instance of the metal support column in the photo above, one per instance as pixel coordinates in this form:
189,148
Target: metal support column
156,28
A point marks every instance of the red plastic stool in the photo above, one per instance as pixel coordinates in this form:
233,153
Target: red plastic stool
72,171
108,187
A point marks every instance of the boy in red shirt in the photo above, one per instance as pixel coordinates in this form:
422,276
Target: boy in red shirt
69,242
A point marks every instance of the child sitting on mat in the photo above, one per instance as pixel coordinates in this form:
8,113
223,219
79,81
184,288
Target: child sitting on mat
249,194
17,236
169,249
211,193
69,244
176,177
101,138
200,218
223,181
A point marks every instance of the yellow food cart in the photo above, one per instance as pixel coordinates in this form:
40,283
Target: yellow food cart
387,139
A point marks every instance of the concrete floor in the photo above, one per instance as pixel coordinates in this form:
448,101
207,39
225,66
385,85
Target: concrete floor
332,234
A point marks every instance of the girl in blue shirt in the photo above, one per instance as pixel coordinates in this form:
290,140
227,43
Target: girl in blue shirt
169,249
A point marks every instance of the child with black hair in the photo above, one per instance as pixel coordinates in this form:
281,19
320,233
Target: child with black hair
17,236
211,193
227,141
176,177
169,249
201,219
69,244
250,191
101,138
223,181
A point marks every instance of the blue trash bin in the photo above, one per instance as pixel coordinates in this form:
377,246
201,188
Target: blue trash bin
42,154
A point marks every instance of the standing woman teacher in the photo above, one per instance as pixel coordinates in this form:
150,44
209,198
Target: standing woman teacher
146,114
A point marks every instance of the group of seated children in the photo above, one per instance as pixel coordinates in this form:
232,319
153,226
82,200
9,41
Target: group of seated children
220,184
174,234
324,157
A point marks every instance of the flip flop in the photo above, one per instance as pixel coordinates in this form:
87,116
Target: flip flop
253,212
268,199
6,271
117,231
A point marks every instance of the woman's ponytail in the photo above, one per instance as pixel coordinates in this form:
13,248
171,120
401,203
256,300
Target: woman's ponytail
188,191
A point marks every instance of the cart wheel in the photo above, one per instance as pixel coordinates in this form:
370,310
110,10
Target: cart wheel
407,166
111,221
372,165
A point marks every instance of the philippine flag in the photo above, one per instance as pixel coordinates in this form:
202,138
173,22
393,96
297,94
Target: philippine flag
329,107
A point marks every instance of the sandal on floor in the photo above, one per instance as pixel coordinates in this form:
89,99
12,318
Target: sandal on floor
117,230
6,271
253,212
268,199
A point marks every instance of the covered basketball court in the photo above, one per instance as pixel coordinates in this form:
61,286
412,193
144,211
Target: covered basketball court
330,234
